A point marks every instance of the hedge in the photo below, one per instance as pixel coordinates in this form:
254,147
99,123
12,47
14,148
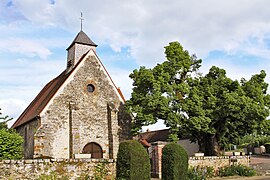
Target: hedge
174,162
133,162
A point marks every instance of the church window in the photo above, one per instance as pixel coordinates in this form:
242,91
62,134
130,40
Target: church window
90,88
94,149
69,64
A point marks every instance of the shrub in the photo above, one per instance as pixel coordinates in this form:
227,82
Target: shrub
133,162
101,171
239,170
267,147
199,173
254,140
11,145
174,162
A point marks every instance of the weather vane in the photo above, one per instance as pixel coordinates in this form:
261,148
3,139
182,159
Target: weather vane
81,20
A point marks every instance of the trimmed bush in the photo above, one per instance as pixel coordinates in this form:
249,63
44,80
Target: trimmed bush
133,162
174,162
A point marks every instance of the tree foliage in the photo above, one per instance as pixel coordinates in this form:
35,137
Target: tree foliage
10,141
3,121
213,109
220,109
158,93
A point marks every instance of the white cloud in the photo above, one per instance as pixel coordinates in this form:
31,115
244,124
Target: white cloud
143,26
13,108
122,80
26,47
148,26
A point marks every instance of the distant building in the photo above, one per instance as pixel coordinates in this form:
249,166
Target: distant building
80,111
154,141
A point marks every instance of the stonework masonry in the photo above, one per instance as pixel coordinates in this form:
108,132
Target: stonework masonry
88,112
218,161
79,112
58,168
79,168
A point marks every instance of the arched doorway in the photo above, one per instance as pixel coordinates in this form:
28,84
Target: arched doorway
94,149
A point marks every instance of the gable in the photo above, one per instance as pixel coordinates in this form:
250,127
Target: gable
46,96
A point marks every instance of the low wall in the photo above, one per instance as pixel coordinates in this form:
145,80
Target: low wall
59,168
218,161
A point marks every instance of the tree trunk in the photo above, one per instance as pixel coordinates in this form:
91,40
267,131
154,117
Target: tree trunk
211,145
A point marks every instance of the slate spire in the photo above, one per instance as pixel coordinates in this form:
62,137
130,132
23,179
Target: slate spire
82,38
79,46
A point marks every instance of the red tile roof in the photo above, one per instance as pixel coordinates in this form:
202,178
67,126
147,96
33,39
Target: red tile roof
144,143
41,100
153,136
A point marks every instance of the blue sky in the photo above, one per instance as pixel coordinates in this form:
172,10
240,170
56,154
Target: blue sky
34,35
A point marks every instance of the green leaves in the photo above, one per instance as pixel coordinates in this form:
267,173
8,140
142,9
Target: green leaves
10,145
212,109
10,141
158,93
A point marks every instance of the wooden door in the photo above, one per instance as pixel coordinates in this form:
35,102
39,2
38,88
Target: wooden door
94,149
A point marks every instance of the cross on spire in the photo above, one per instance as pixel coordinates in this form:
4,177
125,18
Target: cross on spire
81,20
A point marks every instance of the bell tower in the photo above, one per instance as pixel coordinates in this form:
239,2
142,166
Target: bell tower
80,45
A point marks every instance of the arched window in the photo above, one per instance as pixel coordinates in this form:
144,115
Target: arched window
94,149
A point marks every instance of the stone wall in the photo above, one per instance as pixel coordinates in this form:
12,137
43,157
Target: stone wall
203,161
217,162
58,168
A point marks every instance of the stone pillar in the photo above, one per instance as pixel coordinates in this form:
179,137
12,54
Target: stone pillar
110,136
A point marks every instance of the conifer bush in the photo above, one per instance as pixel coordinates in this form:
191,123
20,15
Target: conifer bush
174,162
133,162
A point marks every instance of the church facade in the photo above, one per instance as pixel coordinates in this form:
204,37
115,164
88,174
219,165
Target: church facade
79,112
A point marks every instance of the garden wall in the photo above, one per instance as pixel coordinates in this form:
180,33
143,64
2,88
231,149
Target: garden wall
218,161
60,168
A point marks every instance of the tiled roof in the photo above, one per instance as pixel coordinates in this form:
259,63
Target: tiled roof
153,136
82,38
145,143
41,100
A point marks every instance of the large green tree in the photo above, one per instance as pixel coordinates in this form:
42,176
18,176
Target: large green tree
220,110
159,93
213,109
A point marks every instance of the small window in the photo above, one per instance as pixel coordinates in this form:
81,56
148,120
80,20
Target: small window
69,64
90,88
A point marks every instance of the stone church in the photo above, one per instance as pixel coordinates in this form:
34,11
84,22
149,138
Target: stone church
81,111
